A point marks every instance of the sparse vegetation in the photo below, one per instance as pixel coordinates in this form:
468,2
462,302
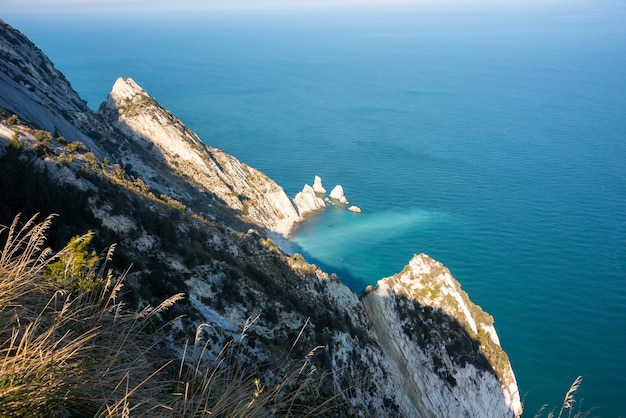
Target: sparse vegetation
13,120
44,137
66,354
75,146
171,202
301,264
83,353
15,140
226,388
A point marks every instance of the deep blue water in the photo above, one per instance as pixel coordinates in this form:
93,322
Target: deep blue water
493,141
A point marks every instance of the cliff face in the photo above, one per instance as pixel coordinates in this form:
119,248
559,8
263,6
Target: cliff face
35,90
155,129
194,219
443,346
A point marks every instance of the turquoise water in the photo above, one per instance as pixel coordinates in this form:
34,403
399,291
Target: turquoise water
494,142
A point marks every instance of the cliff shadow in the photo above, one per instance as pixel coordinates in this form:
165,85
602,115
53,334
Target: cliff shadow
193,195
427,344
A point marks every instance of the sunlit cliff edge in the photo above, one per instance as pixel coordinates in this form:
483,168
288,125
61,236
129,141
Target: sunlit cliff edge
195,220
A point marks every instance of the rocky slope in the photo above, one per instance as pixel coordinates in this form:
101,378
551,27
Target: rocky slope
35,90
243,188
193,219
444,346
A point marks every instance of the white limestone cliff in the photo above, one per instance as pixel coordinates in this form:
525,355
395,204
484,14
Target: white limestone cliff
243,188
444,348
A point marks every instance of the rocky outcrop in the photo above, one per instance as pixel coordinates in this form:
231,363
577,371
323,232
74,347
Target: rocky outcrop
337,194
31,87
354,209
163,136
444,348
307,201
317,186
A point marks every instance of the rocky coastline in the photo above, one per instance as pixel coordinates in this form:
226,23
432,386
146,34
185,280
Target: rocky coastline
200,222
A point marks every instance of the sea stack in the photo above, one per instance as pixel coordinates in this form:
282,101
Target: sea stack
337,194
317,186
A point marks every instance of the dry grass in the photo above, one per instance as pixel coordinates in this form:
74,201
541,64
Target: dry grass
224,387
568,404
22,260
64,354
82,353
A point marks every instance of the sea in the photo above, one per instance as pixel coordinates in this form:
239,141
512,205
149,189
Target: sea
491,138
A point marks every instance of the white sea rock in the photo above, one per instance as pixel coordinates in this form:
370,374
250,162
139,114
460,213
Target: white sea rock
354,209
317,186
307,201
337,194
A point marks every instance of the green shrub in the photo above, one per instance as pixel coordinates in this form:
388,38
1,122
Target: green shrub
75,267
13,120
65,354
44,137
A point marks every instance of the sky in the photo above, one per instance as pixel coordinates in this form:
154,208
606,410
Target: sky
124,6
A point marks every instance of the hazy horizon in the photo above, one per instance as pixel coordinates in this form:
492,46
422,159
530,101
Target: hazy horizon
159,6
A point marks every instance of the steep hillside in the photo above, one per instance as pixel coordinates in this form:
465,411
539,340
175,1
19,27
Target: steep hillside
164,138
422,315
194,220
35,90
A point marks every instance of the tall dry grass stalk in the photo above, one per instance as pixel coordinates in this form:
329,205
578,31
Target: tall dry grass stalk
567,404
64,354
223,386
23,259
68,352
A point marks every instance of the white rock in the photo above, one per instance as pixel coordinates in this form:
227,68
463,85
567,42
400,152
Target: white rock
354,209
239,186
317,186
337,194
307,201
427,283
